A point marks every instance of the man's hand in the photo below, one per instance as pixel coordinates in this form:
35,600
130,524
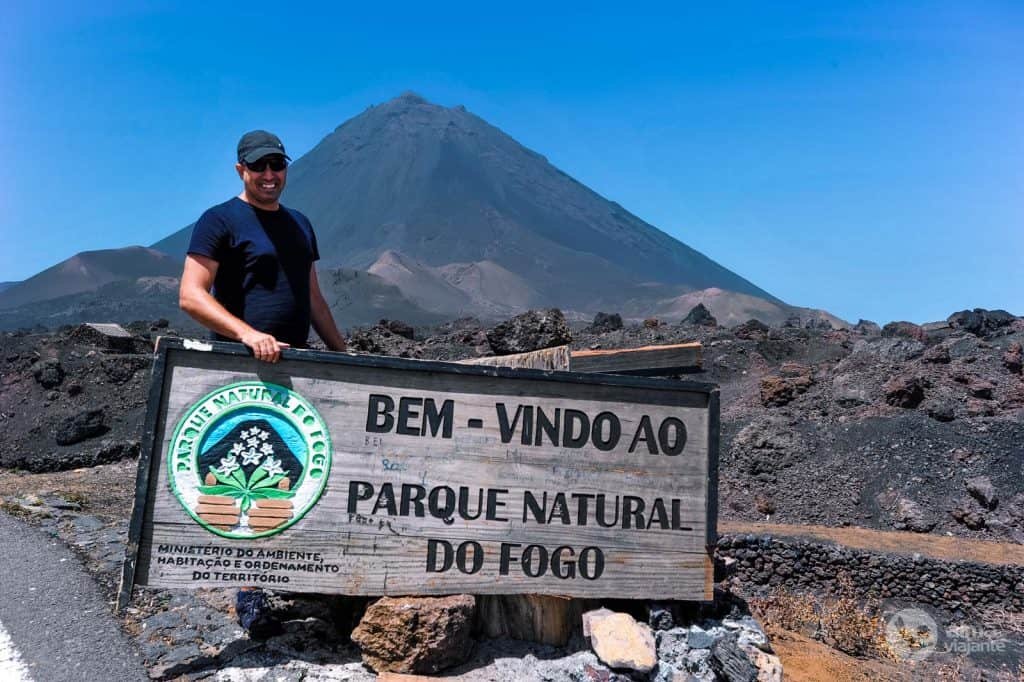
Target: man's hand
264,346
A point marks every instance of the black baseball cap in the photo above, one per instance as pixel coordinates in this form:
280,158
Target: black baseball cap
256,144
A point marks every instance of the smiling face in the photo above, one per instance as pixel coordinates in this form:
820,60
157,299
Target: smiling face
262,188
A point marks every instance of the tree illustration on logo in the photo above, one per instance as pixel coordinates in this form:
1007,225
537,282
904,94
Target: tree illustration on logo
264,493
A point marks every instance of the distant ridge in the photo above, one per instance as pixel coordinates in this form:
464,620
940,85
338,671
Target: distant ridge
88,271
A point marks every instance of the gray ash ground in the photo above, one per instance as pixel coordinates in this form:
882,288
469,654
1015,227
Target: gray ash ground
918,428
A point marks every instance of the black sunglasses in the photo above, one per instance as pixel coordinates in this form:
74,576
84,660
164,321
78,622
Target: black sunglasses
277,164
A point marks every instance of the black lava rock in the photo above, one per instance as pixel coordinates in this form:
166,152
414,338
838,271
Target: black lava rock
79,427
979,321
700,316
48,373
533,330
605,322
397,327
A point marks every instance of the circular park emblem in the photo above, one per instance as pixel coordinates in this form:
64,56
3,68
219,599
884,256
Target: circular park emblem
249,459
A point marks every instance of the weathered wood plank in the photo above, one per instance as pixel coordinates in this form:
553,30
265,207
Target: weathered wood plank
678,358
556,358
440,479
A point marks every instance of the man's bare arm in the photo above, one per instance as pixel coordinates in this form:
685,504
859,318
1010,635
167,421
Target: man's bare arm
323,320
195,299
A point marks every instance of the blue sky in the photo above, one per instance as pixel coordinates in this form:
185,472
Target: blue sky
865,158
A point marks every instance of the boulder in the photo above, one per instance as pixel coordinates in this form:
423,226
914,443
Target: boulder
867,328
911,516
969,513
907,330
941,410
775,391
621,642
700,316
778,390
48,373
660,616
418,635
606,322
121,368
78,427
397,327
979,321
981,489
905,391
533,330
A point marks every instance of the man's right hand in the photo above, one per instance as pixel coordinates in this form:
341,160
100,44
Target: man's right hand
264,346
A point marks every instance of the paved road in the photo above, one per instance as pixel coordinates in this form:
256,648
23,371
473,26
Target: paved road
56,619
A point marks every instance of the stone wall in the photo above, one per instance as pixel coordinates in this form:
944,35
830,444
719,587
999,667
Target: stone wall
958,589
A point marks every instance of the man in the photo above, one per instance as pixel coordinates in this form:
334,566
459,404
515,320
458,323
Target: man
257,257
249,276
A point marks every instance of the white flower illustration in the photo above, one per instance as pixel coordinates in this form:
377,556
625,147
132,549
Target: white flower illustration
251,456
237,449
227,465
267,449
272,466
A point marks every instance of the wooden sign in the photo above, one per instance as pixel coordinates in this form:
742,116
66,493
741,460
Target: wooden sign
366,475
676,358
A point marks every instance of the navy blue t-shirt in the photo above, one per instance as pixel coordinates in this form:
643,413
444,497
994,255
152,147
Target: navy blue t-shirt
264,259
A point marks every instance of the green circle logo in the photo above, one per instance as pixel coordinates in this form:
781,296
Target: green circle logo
249,459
